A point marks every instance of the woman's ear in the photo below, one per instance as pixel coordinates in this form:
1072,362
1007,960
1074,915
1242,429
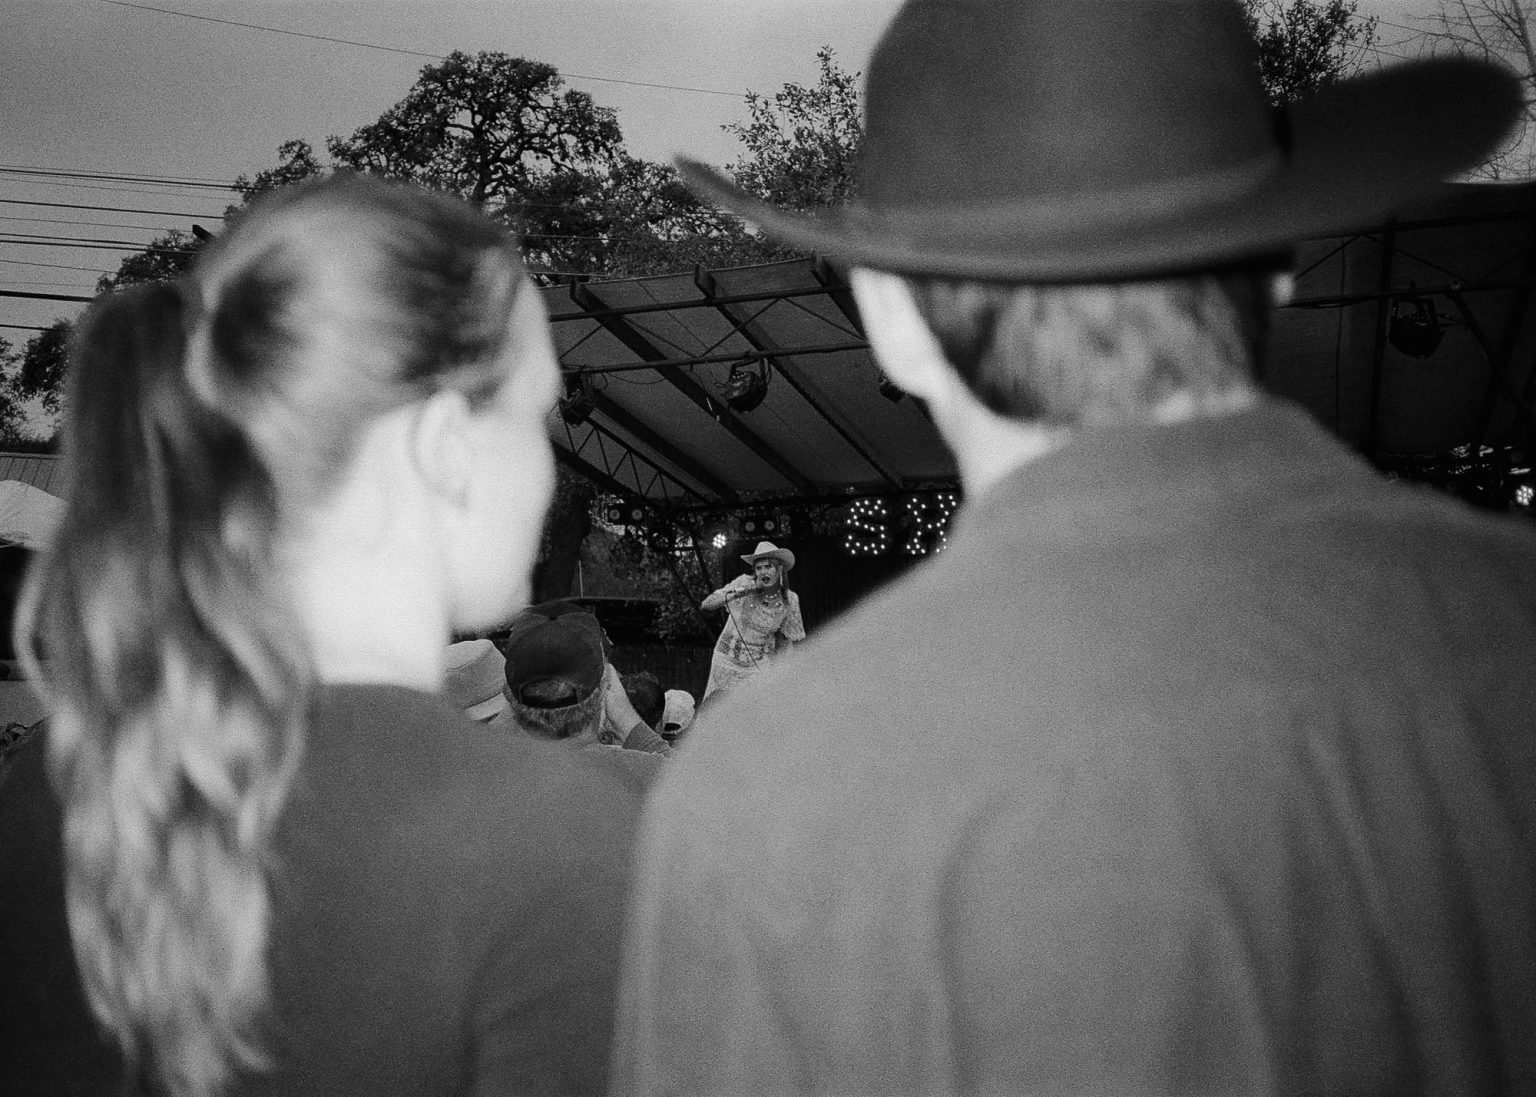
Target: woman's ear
439,446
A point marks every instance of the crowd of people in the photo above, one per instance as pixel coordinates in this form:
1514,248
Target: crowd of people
1202,761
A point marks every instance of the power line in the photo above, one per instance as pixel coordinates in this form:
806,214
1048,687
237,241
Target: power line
110,209
117,177
410,53
62,221
96,186
44,296
104,245
56,266
27,327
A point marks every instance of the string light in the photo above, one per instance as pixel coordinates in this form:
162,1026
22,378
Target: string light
867,531
927,522
718,541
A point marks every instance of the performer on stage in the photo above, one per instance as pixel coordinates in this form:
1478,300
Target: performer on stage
764,618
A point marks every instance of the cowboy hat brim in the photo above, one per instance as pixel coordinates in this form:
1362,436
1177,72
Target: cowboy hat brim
1358,151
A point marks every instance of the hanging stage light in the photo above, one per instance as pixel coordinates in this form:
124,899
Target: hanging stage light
1415,333
891,390
579,400
745,388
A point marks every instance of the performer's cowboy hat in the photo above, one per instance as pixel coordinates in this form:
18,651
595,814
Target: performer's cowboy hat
767,550
1066,140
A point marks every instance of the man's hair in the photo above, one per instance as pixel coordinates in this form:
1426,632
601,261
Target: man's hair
1075,355
540,712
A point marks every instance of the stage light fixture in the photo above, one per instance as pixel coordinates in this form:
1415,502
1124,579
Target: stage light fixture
761,524
1416,333
891,390
624,513
745,388
579,400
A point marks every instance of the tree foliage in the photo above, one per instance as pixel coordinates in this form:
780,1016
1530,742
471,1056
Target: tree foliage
11,412
1305,45
490,127
801,145
295,164
165,258
1496,30
41,373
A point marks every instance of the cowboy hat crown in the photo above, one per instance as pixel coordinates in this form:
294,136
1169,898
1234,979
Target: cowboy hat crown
1068,140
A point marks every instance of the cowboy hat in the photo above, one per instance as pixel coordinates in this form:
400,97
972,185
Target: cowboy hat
767,550
1071,140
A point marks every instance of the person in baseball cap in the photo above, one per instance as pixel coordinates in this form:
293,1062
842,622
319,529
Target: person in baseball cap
1200,760
560,685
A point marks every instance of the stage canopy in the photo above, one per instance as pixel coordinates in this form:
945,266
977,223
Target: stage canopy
1412,336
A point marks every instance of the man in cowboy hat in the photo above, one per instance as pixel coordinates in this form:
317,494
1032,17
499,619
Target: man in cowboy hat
1203,761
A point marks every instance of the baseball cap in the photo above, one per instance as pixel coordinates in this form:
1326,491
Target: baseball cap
557,646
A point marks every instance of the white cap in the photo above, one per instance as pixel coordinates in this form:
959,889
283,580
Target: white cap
677,716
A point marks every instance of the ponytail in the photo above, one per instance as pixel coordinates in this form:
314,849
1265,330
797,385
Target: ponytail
178,684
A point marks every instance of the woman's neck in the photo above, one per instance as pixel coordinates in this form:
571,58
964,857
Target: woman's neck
373,608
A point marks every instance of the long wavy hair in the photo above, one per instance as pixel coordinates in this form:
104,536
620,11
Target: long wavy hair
200,417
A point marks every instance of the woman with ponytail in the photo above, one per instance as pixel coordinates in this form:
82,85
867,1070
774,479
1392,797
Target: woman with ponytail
295,474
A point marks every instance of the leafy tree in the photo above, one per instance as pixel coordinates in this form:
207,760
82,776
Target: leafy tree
1496,30
504,132
802,144
1305,45
164,258
489,127
11,411
297,163
41,375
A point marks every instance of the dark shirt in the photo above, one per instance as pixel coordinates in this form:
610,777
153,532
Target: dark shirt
447,906
1202,761
49,1044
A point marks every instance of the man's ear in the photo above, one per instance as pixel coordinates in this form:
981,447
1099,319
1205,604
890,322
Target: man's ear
904,347
439,448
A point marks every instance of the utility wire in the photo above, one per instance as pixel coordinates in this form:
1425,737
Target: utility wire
55,266
409,53
116,177
83,224
105,245
96,187
111,209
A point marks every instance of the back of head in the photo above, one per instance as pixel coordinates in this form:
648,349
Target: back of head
1080,355
554,671
202,417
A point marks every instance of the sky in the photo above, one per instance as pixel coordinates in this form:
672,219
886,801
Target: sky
107,87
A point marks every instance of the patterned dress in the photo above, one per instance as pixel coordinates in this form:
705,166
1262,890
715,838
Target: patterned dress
754,633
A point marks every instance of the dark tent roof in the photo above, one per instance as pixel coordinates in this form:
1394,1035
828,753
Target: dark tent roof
652,355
